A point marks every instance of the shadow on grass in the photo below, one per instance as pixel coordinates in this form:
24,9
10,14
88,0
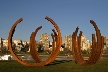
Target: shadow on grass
58,62
5,60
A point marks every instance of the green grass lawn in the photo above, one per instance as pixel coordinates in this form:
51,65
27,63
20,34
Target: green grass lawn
56,66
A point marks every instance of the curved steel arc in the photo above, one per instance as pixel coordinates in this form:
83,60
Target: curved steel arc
52,56
33,44
10,46
33,50
95,55
96,51
59,42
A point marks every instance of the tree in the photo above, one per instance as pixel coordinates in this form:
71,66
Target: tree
67,51
4,50
23,48
40,47
26,47
84,52
14,47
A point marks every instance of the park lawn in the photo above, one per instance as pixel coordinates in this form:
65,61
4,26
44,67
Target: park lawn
56,66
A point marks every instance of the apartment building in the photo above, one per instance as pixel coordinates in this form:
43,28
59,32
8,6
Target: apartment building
44,39
68,42
85,44
106,41
18,45
5,42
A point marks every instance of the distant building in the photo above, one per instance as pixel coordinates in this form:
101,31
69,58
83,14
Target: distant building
24,43
18,43
106,40
44,39
105,44
5,42
85,44
83,38
68,42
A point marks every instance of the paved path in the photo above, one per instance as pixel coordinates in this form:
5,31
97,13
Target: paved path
57,56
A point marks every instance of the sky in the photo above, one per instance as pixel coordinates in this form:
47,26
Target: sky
68,14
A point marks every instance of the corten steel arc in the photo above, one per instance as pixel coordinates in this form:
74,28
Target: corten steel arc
39,63
33,45
33,50
97,47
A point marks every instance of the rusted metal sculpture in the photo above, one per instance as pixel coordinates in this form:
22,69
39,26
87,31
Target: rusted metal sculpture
56,38
33,50
95,55
97,47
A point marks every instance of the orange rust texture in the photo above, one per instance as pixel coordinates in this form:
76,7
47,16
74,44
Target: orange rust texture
58,41
97,47
33,51
95,55
56,38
